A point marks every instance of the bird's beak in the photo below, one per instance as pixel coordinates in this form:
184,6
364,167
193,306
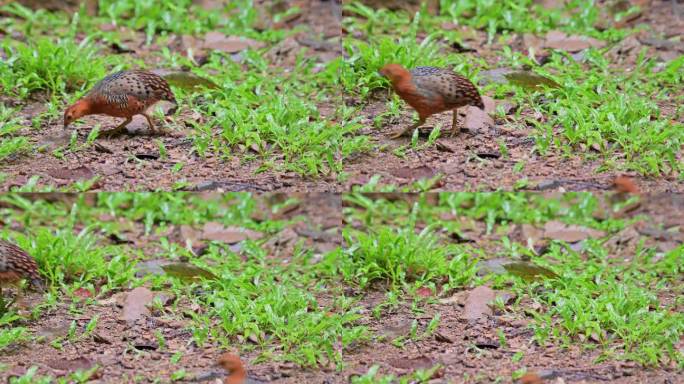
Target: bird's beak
380,73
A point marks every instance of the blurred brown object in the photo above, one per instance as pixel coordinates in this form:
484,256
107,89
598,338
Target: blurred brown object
531,378
236,370
625,184
410,6
69,6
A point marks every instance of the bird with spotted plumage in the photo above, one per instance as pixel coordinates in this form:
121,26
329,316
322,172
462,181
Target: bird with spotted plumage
431,90
122,94
16,265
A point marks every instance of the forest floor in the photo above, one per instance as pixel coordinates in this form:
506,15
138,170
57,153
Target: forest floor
295,103
457,287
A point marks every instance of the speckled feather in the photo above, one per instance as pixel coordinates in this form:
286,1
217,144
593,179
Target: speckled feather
117,90
453,89
16,264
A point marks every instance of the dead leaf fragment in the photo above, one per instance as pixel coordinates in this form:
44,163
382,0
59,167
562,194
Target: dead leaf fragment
477,303
421,362
529,271
229,44
557,230
188,80
530,80
187,272
135,304
477,120
571,43
80,173
77,364
424,292
408,173
229,235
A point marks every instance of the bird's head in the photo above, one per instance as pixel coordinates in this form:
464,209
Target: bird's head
231,363
75,111
394,72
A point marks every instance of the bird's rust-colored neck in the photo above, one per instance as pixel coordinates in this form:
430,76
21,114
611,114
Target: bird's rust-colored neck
235,368
399,76
83,107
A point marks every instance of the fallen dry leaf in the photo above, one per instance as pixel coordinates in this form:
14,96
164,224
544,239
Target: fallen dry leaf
422,362
77,364
80,173
557,230
529,271
530,80
230,44
135,304
408,173
187,272
424,292
477,303
229,235
83,293
188,80
477,120
570,43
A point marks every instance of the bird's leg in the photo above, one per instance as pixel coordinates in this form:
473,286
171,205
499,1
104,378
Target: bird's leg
118,130
454,123
149,121
404,131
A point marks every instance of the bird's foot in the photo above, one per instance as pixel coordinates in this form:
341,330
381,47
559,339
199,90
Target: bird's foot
399,134
455,131
118,131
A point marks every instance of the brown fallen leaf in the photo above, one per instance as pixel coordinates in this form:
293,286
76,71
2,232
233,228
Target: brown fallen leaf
414,364
424,292
477,303
476,120
77,364
557,230
229,235
571,43
408,173
83,293
135,304
230,44
80,173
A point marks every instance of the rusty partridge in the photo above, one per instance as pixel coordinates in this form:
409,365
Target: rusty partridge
431,90
122,94
15,265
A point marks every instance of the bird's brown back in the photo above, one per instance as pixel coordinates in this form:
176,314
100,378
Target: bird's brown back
16,264
146,87
453,89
